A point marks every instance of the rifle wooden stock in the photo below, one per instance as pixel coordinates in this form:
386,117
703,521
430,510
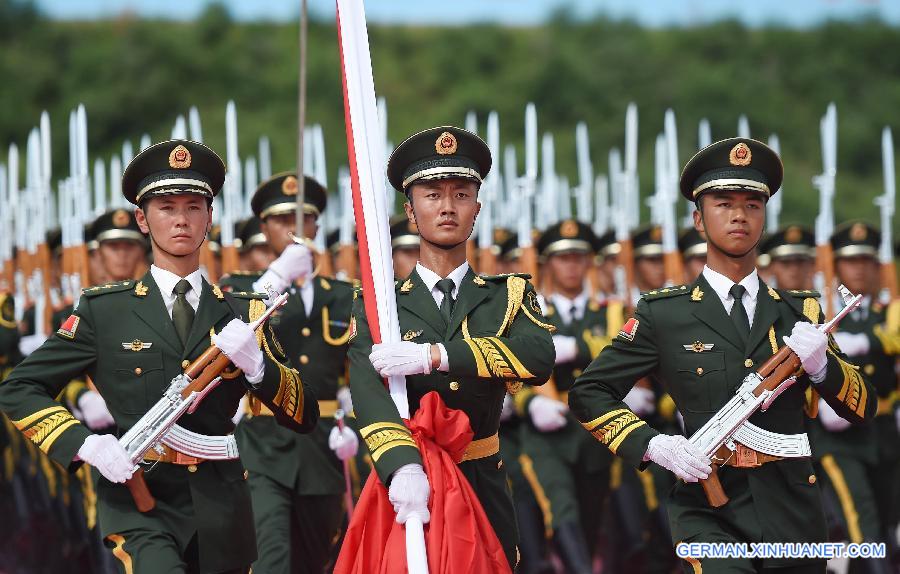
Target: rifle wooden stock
626,260
674,268
472,255
487,261
137,486
43,263
324,263
889,278
207,260
230,260
528,262
825,265
347,262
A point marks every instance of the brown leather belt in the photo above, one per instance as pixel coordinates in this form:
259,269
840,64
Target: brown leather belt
482,448
172,456
326,409
744,456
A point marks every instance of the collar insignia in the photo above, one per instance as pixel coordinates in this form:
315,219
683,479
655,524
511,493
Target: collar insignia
140,289
696,294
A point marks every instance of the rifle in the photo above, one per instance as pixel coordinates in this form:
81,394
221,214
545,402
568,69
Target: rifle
348,490
528,260
824,277
674,267
487,259
886,205
183,395
346,260
231,199
757,392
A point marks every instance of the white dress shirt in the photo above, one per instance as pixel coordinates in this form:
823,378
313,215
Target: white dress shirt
307,294
564,306
722,285
166,281
430,278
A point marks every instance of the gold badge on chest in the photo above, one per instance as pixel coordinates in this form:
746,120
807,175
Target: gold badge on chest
136,345
699,347
410,335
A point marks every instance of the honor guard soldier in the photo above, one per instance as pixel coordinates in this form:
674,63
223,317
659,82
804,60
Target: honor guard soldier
465,336
649,269
791,255
132,338
405,242
861,461
9,335
699,341
296,481
568,469
606,260
692,246
255,256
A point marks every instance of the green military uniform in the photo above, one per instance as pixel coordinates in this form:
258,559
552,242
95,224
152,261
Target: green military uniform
296,481
495,339
863,461
247,236
9,335
682,337
122,337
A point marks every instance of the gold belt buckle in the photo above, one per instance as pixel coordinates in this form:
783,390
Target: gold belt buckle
745,457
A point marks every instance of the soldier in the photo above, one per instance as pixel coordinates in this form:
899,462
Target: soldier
699,340
296,481
131,338
255,256
692,246
9,335
96,274
606,259
791,256
568,470
649,269
404,247
861,462
465,337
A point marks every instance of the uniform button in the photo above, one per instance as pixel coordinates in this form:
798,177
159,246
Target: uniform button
454,386
748,363
304,359
192,468
138,371
246,474
305,331
576,372
869,370
699,370
812,479
185,363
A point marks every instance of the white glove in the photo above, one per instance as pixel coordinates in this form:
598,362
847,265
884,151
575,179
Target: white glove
345,399
547,414
508,409
29,343
343,443
409,492
830,419
809,343
238,341
103,452
403,358
295,262
566,348
676,453
641,400
852,344
93,409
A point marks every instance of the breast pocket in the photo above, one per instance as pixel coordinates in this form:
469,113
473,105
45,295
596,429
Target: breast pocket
701,380
138,381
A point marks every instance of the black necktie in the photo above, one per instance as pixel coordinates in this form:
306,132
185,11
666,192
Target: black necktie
573,313
738,312
446,286
182,312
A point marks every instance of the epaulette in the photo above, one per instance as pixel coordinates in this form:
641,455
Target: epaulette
328,283
249,295
666,292
108,288
504,276
803,293
243,274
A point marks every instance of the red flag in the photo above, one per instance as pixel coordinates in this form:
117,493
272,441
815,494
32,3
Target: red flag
459,538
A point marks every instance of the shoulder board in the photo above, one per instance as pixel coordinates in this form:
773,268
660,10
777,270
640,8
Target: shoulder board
249,295
244,274
108,288
339,283
803,293
504,276
666,292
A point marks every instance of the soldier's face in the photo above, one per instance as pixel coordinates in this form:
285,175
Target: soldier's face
177,224
405,259
278,229
732,221
793,272
650,272
444,210
121,258
258,258
859,274
569,271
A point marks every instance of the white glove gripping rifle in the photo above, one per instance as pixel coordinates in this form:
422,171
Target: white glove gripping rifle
183,395
716,438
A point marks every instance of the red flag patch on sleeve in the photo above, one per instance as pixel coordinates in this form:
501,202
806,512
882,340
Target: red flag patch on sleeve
352,329
629,329
69,326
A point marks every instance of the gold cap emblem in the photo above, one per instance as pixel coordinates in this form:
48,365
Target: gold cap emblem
120,218
445,144
180,157
858,232
568,228
289,186
793,235
740,155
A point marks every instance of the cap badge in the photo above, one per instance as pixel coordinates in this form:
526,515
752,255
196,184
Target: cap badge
445,144
740,155
568,228
858,232
120,218
180,157
289,185
793,235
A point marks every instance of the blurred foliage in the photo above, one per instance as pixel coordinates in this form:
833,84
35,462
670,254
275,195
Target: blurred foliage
135,76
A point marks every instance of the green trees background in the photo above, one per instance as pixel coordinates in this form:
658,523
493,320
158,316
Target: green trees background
135,76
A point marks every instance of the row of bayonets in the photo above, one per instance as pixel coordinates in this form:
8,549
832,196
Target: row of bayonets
511,199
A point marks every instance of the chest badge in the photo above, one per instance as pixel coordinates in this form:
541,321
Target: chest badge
410,335
699,347
136,345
